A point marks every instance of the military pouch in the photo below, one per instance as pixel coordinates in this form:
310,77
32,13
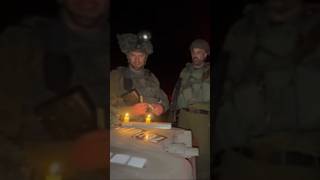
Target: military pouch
132,97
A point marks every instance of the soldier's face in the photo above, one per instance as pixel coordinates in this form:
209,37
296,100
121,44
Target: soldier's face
86,12
282,10
137,60
198,57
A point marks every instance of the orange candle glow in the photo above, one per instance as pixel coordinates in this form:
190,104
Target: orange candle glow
146,136
126,118
148,119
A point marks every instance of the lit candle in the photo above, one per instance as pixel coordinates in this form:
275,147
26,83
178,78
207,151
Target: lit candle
148,119
146,136
126,118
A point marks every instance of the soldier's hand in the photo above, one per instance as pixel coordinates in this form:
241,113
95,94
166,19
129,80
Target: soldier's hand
139,109
157,109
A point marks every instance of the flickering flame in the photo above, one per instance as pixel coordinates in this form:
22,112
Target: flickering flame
126,118
146,136
148,119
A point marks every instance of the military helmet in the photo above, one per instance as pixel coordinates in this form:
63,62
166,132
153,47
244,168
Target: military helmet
141,41
202,44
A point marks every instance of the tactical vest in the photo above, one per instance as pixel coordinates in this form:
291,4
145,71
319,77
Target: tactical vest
195,87
149,90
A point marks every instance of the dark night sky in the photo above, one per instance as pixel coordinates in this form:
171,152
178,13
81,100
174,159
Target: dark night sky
173,24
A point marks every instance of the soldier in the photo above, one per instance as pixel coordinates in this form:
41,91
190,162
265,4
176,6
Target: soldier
134,89
268,122
192,103
43,57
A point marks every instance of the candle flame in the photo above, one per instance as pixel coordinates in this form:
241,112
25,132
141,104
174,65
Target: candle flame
148,119
126,118
147,136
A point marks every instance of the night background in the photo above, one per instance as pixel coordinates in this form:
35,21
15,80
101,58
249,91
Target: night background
173,24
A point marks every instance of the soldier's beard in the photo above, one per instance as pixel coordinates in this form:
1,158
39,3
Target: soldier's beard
197,63
136,68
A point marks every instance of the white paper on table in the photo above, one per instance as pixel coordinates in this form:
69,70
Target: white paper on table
120,158
137,162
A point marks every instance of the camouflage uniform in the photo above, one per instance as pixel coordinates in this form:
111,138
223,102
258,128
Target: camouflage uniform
270,98
193,104
25,49
144,81
43,58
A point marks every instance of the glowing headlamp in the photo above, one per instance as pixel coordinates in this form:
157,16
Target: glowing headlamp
144,36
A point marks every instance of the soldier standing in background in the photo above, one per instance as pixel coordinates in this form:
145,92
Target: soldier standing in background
191,103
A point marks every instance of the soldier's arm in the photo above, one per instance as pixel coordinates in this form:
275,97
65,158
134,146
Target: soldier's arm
163,98
180,99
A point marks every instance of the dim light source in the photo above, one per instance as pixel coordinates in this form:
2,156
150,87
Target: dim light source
146,136
126,118
148,119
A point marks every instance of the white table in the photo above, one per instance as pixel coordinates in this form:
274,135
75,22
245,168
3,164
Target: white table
159,164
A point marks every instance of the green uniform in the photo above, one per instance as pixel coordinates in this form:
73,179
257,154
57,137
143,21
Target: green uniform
271,96
193,103
144,82
41,58
73,59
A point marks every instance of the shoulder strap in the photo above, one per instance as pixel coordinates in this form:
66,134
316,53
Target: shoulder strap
206,74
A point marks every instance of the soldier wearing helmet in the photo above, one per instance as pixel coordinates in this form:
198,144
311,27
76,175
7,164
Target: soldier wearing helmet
191,103
134,89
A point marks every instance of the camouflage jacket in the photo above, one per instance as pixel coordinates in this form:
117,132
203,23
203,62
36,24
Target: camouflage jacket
252,35
29,48
195,87
145,83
